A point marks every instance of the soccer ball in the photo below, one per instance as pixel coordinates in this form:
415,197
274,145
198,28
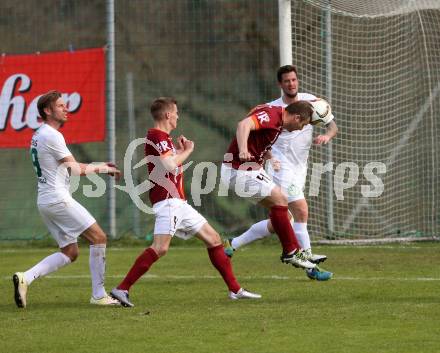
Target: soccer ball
322,112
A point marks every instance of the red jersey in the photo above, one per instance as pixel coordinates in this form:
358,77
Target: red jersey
268,122
166,185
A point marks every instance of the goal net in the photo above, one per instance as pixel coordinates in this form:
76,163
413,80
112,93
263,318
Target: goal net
378,63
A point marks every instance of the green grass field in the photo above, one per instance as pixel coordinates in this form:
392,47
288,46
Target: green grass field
382,299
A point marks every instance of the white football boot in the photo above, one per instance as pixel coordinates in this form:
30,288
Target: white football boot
243,294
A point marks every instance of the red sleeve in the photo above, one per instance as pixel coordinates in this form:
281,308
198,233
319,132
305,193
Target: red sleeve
267,117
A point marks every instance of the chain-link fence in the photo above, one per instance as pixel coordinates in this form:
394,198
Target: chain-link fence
218,58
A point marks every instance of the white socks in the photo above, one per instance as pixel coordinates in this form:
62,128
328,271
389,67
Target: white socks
47,265
55,261
302,234
256,231
97,269
259,230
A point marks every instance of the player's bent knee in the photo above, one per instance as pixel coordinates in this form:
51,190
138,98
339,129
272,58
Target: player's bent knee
161,250
100,238
213,241
95,235
71,254
215,238
279,198
301,216
71,251
299,210
209,236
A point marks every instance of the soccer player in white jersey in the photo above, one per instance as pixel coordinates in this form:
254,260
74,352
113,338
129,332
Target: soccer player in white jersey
65,218
289,170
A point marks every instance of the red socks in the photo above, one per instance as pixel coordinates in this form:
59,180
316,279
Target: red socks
216,254
280,221
140,266
223,265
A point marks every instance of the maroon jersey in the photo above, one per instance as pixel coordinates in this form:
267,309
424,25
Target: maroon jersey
166,184
268,122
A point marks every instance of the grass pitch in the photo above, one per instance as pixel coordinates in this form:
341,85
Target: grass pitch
381,299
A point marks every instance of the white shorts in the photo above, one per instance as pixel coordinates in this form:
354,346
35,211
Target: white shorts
176,217
252,184
66,221
291,180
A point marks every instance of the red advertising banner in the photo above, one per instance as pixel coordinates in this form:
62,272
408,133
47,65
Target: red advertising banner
78,75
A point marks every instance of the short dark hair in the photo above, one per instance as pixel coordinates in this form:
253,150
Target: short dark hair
284,70
303,108
160,106
45,101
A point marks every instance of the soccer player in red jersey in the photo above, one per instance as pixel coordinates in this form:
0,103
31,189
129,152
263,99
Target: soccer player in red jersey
242,168
174,216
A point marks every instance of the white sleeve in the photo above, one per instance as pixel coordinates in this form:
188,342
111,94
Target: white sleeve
56,145
306,96
278,102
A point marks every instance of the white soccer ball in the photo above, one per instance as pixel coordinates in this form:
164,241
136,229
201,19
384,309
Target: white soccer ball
322,112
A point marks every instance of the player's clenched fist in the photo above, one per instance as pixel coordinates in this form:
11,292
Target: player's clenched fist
245,156
188,145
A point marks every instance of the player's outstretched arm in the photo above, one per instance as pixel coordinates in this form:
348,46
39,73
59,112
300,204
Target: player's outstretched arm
77,168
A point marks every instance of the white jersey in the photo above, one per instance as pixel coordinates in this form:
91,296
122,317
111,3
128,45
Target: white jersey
292,148
47,148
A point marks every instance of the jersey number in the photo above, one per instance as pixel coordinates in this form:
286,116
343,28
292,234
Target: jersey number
263,177
36,164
